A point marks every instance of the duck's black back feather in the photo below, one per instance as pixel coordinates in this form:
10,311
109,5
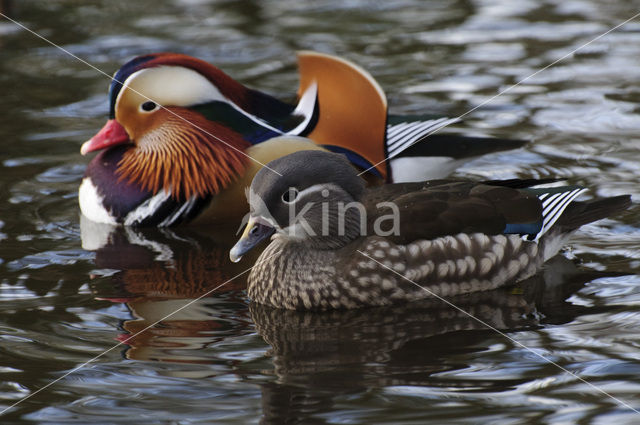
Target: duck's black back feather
458,147
440,208
521,183
446,207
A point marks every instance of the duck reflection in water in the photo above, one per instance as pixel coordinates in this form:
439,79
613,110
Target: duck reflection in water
156,273
315,356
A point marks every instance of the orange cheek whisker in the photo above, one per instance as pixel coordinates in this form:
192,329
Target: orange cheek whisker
185,159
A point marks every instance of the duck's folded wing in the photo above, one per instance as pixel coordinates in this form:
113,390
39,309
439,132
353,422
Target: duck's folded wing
441,208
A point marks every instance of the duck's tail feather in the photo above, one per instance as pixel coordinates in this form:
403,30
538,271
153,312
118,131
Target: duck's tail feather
564,215
457,146
434,156
581,213
567,215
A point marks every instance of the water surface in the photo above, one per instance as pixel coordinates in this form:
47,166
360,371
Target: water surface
69,291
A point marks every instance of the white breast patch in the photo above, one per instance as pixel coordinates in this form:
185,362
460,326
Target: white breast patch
91,203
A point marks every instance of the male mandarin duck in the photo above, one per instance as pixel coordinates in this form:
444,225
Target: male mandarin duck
183,139
336,244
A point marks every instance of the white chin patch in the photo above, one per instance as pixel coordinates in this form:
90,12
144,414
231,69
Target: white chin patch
91,203
420,168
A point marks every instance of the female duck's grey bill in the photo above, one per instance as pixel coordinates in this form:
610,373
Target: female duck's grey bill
253,234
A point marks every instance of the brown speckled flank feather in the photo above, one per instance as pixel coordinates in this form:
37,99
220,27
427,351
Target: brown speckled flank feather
381,272
178,156
456,237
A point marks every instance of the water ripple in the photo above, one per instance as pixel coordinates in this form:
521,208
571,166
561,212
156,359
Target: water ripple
224,360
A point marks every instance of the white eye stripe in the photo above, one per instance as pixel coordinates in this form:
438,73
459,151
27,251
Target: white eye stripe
323,188
179,86
171,85
260,209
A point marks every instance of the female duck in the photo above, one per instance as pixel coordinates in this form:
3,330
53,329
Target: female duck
337,244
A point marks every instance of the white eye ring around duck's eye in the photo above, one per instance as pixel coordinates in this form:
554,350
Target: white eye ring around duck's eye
148,106
290,195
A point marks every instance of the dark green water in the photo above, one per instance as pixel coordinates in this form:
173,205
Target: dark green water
62,302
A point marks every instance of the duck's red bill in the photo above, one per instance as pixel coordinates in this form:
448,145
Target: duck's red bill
110,135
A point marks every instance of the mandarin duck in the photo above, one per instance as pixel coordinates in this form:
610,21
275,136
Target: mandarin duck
184,139
337,244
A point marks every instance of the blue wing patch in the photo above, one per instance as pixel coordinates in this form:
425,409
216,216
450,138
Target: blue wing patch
355,159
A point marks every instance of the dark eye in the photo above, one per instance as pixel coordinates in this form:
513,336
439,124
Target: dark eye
148,106
290,195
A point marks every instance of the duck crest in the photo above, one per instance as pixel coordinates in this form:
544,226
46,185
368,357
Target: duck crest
233,90
184,158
